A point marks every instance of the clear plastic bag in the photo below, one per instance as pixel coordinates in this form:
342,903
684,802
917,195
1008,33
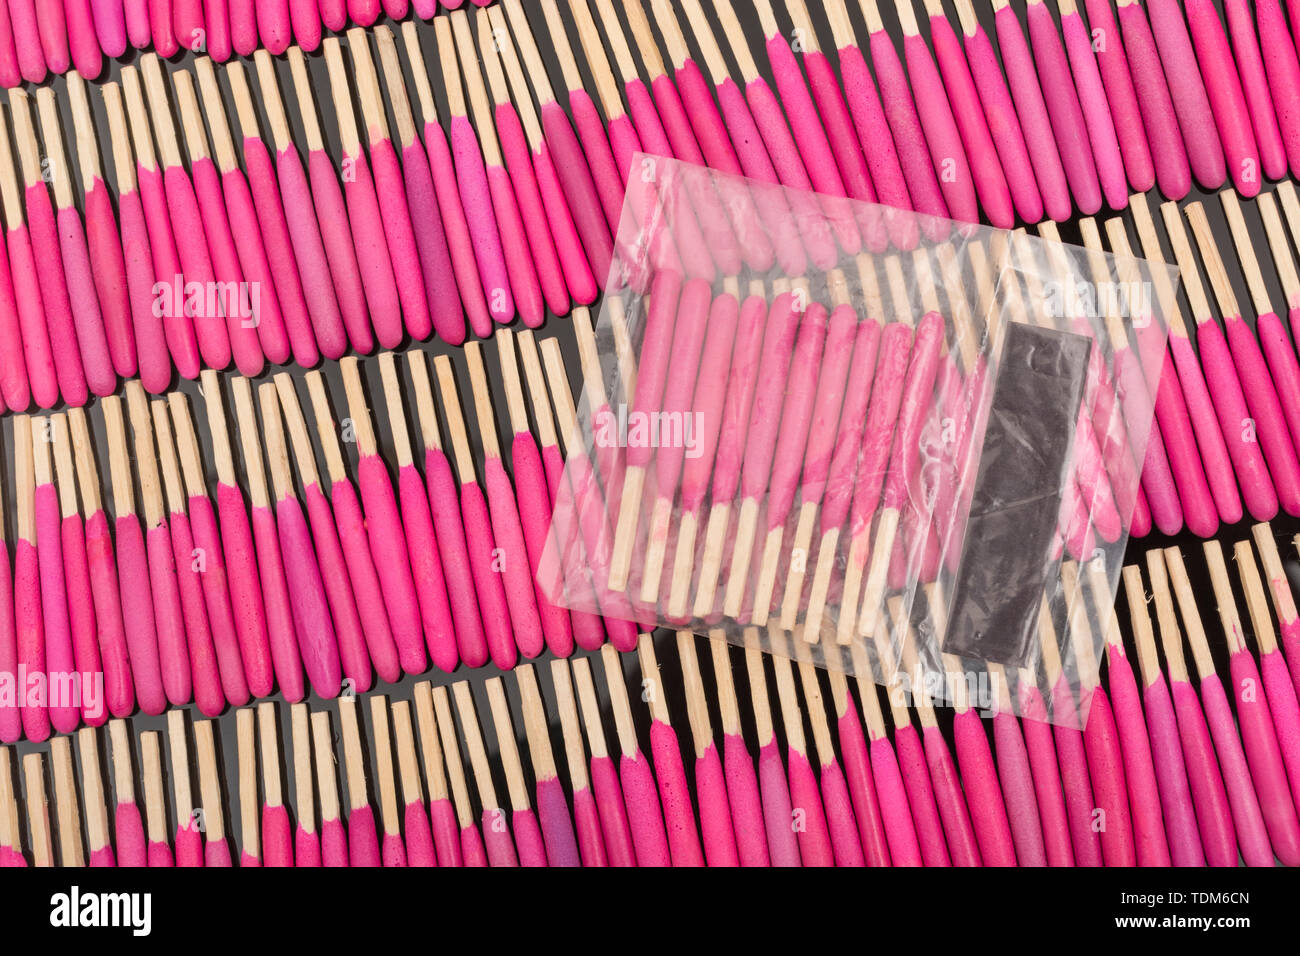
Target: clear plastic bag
895,457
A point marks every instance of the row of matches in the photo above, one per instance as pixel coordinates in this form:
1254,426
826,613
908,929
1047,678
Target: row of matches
209,262
79,34
344,574
1174,776
814,482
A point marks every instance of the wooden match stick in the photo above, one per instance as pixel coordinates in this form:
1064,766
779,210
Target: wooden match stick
384,527
127,827
548,225
393,850
92,793
333,840
66,805
282,632
336,576
216,851
173,657
178,327
507,530
471,843
1221,377
528,833
38,811
1256,381
437,216
1283,709
190,823
52,281
417,523
236,536
496,829
363,844
209,693
552,806
1213,816
309,245
354,540
250,853
525,273
306,840
573,173
378,280
615,825
340,252
1248,820
710,783
420,850
480,541
159,851
442,814
277,838
83,296
1258,738
1283,600
814,836
646,817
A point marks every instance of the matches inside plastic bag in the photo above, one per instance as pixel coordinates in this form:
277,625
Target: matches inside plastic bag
894,445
